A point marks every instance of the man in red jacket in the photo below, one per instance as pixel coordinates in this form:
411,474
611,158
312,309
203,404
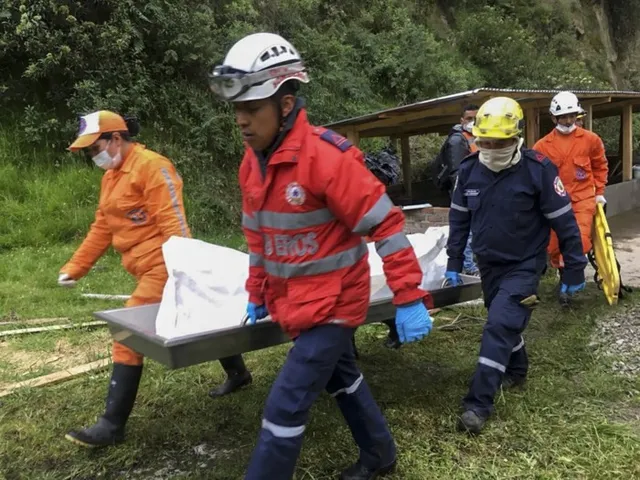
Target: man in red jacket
308,199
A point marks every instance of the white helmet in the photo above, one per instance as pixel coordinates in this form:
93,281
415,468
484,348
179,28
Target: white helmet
564,103
256,67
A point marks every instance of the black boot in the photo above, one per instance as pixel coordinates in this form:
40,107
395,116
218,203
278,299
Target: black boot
471,422
237,376
513,381
393,339
358,471
109,430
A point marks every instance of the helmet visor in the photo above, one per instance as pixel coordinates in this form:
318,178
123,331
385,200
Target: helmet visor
230,84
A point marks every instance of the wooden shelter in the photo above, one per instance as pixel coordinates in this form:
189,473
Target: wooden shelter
438,115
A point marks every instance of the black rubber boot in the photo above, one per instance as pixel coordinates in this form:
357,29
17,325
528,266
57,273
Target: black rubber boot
392,340
237,376
513,381
471,422
358,471
109,430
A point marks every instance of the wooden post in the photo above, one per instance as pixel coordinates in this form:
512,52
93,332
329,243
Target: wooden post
626,146
532,126
354,137
588,122
406,165
394,142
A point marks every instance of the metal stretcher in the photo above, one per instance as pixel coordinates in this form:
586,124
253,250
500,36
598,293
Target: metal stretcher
135,328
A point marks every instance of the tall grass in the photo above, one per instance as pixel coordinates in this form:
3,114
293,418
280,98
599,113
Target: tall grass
49,196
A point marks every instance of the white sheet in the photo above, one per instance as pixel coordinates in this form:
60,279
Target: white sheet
205,290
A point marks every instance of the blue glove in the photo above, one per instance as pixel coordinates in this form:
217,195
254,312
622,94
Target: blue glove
571,289
451,279
413,322
256,312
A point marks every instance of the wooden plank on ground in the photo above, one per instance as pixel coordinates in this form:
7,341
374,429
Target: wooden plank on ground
57,376
102,296
35,321
51,328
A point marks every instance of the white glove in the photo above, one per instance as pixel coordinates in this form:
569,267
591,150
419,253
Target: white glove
64,280
601,200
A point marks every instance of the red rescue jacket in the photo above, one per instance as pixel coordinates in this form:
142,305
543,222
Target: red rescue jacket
304,222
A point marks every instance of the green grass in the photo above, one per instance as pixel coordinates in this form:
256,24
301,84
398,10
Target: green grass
571,421
574,419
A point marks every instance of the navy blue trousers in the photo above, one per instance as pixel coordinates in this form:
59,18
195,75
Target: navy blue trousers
321,359
502,350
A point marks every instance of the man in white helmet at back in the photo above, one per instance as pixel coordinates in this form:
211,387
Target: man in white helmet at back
307,201
580,157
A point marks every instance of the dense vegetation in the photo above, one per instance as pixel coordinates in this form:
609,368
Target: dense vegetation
59,59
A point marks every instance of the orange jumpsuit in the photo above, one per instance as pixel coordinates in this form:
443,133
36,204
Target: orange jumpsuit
582,164
140,207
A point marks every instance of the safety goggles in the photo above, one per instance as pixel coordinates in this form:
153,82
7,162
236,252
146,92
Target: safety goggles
230,84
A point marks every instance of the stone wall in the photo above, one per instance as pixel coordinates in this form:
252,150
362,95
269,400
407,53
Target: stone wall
418,220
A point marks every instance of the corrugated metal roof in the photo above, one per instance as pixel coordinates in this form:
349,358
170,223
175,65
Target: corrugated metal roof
426,104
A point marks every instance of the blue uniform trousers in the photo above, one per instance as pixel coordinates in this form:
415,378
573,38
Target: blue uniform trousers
321,358
502,350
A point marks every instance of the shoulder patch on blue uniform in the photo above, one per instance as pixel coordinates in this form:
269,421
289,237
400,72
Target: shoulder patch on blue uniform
536,156
337,140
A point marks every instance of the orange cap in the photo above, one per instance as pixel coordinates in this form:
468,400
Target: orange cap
94,125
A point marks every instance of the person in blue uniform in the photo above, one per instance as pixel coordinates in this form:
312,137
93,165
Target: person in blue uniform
509,197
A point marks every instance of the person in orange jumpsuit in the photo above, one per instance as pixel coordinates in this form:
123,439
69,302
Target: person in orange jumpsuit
580,157
140,208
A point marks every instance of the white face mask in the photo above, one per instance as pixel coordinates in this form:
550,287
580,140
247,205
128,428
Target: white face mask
563,129
468,127
106,161
499,159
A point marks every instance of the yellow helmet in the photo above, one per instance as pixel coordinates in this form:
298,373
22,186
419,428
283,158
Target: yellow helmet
499,117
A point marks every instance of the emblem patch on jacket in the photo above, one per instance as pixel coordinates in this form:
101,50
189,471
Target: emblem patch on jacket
295,194
559,187
138,216
580,173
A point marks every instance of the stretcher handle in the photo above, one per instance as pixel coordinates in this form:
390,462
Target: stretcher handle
245,319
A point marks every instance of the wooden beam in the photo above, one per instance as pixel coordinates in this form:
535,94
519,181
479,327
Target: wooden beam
532,126
403,118
57,376
353,136
613,109
626,147
406,165
22,331
394,142
410,129
103,296
35,321
588,119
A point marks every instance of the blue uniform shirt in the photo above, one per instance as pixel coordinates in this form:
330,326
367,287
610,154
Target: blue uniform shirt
511,214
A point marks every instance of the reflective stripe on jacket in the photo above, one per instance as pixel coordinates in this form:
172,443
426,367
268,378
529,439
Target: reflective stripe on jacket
140,207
